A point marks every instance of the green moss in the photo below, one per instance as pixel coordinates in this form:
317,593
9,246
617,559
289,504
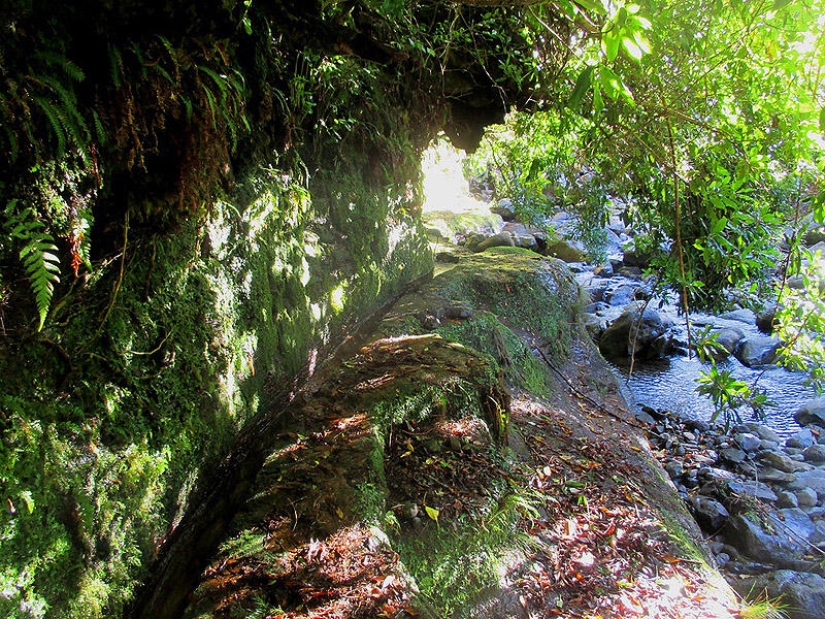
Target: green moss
485,333
456,565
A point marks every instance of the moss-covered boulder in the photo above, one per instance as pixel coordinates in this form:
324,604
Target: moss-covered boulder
474,459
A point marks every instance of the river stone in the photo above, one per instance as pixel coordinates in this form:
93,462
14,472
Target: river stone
505,209
786,539
755,489
732,454
815,453
802,594
786,498
616,339
806,497
709,513
766,317
813,479
674,469
747,441
631,272
774,476
757,350
812,412
502,239
802,439
727,339
623,295
741,315
778,460
564,251
764,432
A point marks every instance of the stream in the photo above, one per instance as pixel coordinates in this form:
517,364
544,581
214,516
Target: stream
670,383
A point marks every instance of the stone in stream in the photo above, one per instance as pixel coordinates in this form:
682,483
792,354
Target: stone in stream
754,489
802,594
806,497
745,316
624,294
812,412
727,339
765,318
778,460
732,454
813,479
801,440
786,498
617,339
757,350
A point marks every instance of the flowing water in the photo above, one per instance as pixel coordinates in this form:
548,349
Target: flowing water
670,384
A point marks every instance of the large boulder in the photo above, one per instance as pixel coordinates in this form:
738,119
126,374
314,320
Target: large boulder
634,331
802,594
757,350
779,538
812,412
566,251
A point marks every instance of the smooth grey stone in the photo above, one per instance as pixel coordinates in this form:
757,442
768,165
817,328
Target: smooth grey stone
815,453
806,497
812,412
802,439
757,350
741,315
765,433
748,441
813,479
786,499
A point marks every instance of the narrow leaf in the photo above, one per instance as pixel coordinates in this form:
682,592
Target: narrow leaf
581,88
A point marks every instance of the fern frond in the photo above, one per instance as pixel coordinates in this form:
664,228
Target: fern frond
59,60
100,131
116,64
41,264
53,116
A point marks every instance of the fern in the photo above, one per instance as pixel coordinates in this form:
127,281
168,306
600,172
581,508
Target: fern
38,256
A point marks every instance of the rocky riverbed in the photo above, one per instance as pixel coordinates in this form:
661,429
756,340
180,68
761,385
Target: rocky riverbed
759,499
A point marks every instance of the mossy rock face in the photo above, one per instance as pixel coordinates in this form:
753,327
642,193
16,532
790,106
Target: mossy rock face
519,289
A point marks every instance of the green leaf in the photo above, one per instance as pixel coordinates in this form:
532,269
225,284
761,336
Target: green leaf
822,119
632,49
582,86
610,43
780,4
